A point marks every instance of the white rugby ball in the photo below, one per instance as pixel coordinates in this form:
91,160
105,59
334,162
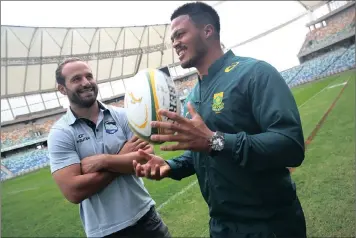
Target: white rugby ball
149,91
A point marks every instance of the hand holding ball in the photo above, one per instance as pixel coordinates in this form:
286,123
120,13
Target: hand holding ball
151,90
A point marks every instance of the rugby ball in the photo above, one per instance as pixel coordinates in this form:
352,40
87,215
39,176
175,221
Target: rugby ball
149,90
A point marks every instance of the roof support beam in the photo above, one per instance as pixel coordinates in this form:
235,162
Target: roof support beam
305,6
116,45
16,61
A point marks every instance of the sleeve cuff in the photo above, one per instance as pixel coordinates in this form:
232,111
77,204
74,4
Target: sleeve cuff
230,142
174,167
57,166
171,164
234,147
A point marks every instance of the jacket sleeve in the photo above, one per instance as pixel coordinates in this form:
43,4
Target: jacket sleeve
181,166
281,142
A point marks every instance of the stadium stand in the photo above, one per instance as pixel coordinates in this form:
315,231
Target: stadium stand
327,50
315,67
328,30
23,162
25,135
185,84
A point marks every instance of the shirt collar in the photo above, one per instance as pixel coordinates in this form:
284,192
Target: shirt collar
219,63
73,117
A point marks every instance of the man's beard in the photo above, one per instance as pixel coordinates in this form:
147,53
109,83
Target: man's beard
83,102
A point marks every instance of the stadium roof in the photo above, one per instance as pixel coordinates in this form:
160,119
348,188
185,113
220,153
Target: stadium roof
312,5
30,55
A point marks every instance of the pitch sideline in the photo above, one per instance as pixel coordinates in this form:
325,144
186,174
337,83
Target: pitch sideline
326,114
185,189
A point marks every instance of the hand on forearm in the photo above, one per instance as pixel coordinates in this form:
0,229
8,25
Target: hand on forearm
121,163
118,163
133,145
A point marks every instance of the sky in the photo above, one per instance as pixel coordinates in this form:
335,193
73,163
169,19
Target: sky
240,20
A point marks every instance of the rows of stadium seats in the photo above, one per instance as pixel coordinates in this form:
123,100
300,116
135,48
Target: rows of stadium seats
340,24
289,74
17,136
3,175
317,65
347,60
186,84
25,134
326,64
332,38
23,161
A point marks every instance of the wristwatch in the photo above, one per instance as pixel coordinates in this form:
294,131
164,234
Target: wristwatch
217,141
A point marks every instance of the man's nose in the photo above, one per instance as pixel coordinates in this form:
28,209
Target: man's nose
85,81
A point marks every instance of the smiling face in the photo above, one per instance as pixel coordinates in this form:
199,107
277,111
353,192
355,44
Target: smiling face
80,86
188,41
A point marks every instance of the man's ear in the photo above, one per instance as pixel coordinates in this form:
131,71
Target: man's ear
62,89
208,31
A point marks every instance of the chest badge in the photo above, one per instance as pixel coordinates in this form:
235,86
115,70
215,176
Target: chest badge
110,127
231,67
218,104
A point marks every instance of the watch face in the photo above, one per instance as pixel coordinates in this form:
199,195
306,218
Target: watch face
218,143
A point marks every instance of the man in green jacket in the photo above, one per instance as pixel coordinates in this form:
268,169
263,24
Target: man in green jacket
241,132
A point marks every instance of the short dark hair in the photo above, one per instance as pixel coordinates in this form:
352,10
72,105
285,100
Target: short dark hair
199,13
59,76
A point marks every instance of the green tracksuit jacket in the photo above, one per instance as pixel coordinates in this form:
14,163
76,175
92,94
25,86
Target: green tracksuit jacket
248,182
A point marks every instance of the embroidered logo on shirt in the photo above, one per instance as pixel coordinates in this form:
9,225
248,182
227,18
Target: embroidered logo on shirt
110,127
231,67
218,104
81,138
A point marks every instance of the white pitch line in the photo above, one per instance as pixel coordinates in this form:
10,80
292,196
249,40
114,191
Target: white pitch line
23,190
185,189
337,85
322,90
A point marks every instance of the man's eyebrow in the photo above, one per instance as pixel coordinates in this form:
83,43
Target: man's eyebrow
79,75
75,76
